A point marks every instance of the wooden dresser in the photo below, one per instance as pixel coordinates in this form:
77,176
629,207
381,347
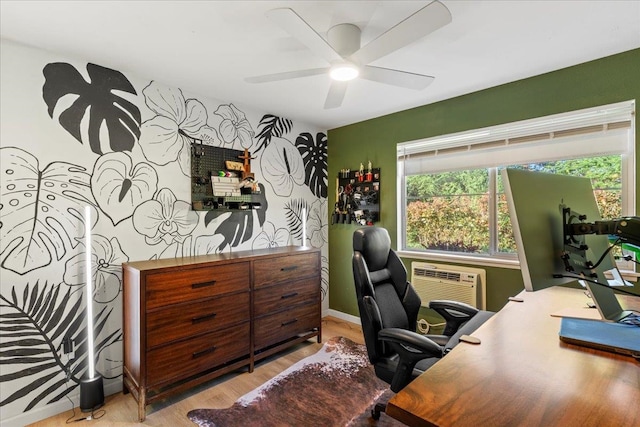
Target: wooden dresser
188,320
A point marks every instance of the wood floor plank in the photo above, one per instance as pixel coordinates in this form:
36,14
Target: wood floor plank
121,409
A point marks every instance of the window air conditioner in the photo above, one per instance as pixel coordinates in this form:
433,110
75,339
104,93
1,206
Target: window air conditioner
448,282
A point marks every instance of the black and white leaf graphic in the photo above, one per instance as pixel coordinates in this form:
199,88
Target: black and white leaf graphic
294,210
119,186
314,156
32,329
324,288
281,165
272,126
42,211
94,102
237,228
261,198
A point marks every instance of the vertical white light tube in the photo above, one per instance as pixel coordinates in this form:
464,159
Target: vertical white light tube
304,227
89,292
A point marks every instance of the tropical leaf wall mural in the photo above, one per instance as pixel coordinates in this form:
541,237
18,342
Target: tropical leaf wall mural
295,211
234,126
33,326
271,126
314,157
282,166
119,186
96,99
41,210
167,136
78,135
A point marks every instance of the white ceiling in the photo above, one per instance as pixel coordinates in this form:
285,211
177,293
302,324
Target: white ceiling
209,47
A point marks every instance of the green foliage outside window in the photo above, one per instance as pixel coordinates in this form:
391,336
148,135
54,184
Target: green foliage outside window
450,211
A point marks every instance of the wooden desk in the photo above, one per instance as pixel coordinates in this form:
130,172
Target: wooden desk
523,375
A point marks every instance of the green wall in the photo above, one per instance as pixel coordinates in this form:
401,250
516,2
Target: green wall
604,81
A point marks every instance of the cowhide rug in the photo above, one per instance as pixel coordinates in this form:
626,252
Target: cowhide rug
334,387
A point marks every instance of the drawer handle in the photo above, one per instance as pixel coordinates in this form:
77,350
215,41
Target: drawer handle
203,352
289,295
289,322
203,318
203,285
290,268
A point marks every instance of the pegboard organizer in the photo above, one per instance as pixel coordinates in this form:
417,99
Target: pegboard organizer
357,198
206,163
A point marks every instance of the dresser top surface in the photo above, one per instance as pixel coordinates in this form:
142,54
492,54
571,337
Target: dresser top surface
211,258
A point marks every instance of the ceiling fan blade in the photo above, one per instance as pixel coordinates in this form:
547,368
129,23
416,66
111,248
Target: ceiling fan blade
336,94
425,21
396,77
286,75
292,23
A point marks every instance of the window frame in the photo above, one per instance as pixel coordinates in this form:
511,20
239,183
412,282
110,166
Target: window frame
531,134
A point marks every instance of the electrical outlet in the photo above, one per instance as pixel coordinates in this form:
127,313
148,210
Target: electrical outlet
68,347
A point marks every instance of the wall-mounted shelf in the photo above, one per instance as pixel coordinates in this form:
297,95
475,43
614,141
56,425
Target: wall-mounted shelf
209,190
357,197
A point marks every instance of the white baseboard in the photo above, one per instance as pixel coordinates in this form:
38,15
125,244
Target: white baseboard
343,316
58,407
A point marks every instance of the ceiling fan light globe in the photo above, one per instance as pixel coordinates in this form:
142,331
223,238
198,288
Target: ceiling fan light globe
344,72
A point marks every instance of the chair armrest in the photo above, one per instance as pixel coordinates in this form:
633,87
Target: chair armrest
416,345
460,307
411,347
455,313
442,340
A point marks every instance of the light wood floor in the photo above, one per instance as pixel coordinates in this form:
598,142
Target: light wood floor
121,410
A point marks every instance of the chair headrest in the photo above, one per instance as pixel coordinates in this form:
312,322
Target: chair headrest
374,244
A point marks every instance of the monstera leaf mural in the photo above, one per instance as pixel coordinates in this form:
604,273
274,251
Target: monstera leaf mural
237,228
272,126
93,102
42,211
314,156
33,326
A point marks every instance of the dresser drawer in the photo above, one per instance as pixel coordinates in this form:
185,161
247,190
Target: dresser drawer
184,320
269,299
287,324
273,270
189,284
179,360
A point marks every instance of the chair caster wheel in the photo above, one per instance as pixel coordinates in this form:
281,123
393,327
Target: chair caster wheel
377,410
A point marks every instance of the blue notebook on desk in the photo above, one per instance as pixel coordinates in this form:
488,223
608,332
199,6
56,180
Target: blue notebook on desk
607,336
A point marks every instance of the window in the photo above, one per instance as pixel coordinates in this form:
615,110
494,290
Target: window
450,196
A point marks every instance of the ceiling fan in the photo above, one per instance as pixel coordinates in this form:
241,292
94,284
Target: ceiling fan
348,59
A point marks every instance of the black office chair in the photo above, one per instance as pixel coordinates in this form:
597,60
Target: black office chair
389,306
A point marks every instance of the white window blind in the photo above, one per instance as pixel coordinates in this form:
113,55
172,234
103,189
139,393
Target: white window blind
590,132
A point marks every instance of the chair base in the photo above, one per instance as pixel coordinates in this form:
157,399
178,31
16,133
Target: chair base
377,410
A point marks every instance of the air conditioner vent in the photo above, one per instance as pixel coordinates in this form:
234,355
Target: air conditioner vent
435,281
439,274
